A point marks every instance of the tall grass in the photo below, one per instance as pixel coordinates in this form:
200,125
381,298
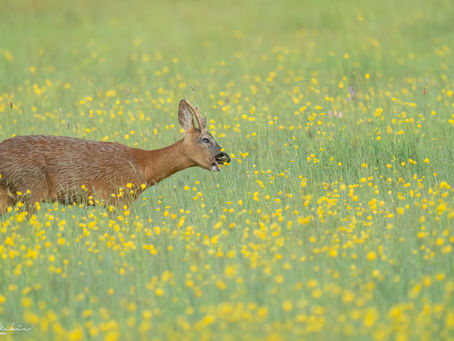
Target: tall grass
333,220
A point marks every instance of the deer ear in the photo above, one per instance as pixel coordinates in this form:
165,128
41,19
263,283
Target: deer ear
185,116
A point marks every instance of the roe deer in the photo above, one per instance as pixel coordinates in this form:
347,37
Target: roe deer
39,168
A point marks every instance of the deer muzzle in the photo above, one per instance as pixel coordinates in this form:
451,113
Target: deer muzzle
220,158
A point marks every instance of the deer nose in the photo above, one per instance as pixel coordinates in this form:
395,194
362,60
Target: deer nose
222,158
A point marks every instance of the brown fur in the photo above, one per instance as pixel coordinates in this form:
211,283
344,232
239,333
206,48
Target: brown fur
71,170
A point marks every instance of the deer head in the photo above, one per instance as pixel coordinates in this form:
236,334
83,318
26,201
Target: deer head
198,144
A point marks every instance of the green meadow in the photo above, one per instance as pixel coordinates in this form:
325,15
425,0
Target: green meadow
333,220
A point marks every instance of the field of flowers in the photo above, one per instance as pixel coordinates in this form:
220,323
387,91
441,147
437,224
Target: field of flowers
334,219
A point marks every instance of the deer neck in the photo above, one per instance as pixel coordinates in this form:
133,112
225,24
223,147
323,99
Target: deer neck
161,163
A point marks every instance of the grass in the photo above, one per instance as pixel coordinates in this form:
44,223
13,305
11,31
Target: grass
333,220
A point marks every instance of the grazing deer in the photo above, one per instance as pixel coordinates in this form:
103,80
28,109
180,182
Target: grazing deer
40,168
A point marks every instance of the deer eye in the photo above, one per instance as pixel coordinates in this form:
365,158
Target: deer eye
205,140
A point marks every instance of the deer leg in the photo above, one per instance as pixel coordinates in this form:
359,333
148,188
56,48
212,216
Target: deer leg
5,200
37,195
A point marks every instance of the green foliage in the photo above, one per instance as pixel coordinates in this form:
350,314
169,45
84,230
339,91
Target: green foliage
332,220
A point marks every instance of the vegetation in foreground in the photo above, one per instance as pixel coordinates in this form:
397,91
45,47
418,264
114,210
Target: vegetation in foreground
333,220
